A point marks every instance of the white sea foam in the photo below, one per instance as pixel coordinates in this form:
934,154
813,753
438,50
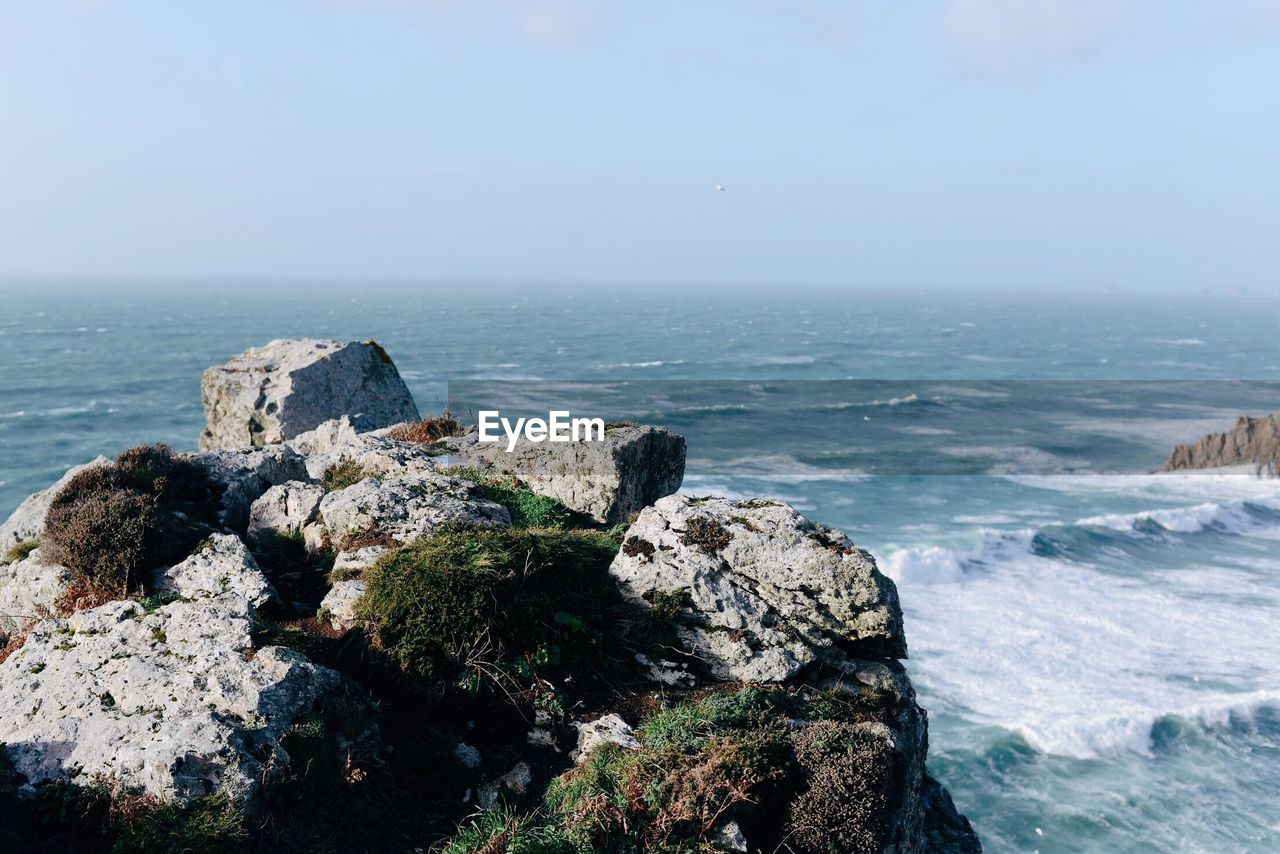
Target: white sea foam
1082,659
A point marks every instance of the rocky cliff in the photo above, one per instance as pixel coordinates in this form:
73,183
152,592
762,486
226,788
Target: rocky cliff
387,641
1253,442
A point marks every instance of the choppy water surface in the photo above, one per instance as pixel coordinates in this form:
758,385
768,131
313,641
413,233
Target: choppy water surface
1098,653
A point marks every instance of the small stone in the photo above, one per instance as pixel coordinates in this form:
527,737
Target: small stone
610,729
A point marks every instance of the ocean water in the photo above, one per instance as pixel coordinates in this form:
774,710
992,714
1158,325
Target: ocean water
1096,645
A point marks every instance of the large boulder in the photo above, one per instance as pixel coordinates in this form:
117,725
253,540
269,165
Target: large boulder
27,522
221,564
29,590
606,480
272,393
760,592
174,703
405,509
1253,442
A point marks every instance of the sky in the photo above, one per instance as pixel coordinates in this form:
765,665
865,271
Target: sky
1019,144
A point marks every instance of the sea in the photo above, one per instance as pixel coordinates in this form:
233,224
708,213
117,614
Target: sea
1097,644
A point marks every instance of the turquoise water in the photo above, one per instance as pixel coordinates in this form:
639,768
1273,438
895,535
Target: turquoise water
1097,652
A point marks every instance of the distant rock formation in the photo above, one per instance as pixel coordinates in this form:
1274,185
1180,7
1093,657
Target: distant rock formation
270,394
1253,442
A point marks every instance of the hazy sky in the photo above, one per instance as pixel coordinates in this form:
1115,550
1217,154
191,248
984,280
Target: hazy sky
960,143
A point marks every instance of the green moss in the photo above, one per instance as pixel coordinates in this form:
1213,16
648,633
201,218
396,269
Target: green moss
343,473
20,551
668,606
527,508
496,604
212,825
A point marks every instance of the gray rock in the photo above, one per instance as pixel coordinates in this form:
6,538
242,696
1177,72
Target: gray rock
728,837
356,562
767,592
272,393
221,564
27,522
337,441
283,511
467,756
607,481
28,591
406,508
515,783
246,475
338,608
1253,442
166,703
667,673
609,729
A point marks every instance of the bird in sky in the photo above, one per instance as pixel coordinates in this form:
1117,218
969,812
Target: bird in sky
720,187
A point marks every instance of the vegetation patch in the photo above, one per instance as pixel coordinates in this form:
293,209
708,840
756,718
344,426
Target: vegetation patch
148,508
705,534
765,758
345,472
428,431
527,508
638,547
20,551
481,606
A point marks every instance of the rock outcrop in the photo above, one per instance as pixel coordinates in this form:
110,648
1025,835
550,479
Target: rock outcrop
406,508
734,661
166,702
245,475
221,564
605,480
29,589
272,393
762,593
1253,442
284,511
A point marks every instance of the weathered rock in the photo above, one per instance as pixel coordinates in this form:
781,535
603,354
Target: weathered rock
27,522
767,593
728,837
609,729
272,393
357,561
338,608
28,591
337,441
221,564
1252,442
513,784
406,508
246,475
283,511
607,481
167,703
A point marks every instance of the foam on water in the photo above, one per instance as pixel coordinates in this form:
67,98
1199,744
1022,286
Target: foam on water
1079,658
